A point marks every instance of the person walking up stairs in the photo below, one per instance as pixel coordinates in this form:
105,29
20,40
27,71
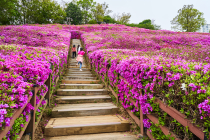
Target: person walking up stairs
80,58
73,51
84,110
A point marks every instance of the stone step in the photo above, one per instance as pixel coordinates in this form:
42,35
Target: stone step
81,86
86,125
73,60
78,81
80,74
74,64
87,109
77,66
75,70
79,78
101,136
81,92
83,99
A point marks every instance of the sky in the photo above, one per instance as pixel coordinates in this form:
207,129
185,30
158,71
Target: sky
162,11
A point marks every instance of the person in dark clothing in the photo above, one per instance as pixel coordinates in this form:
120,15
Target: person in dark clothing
73,51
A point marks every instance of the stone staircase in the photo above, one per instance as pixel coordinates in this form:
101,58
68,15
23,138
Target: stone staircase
84,110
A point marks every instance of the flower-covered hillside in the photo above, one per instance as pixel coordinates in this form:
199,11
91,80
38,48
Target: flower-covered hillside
28,55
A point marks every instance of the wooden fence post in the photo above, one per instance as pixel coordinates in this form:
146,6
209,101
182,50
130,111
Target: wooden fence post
48,83
31,126
142,117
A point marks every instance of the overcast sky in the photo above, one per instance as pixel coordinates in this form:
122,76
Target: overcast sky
162,11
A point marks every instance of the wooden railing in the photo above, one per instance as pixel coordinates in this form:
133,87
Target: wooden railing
32,123
30,126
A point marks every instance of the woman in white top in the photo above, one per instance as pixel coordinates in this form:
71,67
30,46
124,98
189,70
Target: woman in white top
78,48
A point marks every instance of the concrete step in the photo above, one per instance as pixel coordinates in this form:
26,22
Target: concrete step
81,92
79,72
87,109
81,86
83,99
79,77
101,136
77,66
79,81
74,64
75,70
86,125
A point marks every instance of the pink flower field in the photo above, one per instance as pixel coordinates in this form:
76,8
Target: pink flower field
139,64
28,54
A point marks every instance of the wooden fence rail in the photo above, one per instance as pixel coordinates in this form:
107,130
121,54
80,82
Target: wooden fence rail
32,123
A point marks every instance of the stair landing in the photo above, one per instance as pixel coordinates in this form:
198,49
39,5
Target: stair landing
86,125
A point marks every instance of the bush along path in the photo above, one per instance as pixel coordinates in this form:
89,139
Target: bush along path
84,110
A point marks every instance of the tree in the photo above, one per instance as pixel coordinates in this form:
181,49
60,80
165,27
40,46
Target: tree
30,12
98,13
105,8
108,19
147,21
9,13
87,6
45,11
188,19
122,19
58,14
157,27
146,26
74,12
92,21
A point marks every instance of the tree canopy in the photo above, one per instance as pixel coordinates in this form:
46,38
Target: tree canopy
188,19
147,21
109,19
9,12
123,18
98,13
87,6
75,13
30,12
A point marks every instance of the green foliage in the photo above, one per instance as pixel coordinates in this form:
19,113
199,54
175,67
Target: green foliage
30,12
98,13
75,13
188,19
47,12
105,8
157,132
124,18
108,19
147,24
87,6
16,128
147,21
9,12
